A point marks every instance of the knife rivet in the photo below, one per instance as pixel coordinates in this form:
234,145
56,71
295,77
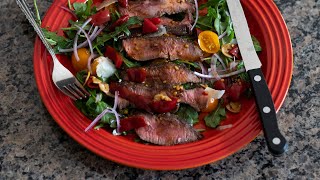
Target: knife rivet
276,141
266,109
257,78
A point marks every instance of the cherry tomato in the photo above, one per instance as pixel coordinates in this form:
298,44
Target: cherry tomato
92,85
148,27
132,122
235,51
112,54
123,3
209,41
212,104
137,74
219,85
155,20
83,54
101,17
119,22
235,92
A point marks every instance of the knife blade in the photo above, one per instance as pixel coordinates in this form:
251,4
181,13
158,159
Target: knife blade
276,142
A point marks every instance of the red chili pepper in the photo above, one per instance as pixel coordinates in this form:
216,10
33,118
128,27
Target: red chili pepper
164,106
155,20
123,3
132,122
114,56
219,85
119,22
148,27
101,17
235,52
137,74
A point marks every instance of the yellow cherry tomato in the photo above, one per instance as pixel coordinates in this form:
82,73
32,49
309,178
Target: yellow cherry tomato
83,54
209,42
212,104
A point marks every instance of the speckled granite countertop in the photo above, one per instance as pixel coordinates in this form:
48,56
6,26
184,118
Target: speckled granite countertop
33,146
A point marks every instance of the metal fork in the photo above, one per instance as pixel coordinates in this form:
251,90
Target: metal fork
61,76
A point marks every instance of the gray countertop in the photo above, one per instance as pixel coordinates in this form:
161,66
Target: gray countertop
33,146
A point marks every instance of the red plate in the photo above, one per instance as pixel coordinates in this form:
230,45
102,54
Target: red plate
265,23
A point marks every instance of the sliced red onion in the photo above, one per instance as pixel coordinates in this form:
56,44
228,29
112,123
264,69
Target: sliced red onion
221,76
106,3
222,35
75,44
69,11
85,43
107,110
97,119
224,127
87,36
197,14
203,70
220,60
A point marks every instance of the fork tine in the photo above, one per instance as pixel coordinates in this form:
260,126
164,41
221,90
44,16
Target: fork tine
70,90
77,90
77,83
66,92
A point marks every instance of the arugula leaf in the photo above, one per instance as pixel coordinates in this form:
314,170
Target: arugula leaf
215,117
118,30
84,10
256,44
55,40
188,114
129,63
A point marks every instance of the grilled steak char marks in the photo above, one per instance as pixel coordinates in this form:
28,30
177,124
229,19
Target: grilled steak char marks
156,8
167,72
172,48
166,129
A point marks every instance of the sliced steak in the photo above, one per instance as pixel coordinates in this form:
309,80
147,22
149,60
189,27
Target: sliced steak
179,28
195,98
164,72
166,47
167,129
156,8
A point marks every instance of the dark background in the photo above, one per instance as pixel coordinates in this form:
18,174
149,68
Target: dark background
33,146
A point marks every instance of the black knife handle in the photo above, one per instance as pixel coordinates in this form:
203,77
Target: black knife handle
277,144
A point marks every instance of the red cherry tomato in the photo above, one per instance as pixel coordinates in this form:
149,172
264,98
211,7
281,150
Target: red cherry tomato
119,22
148,27
101,17
235,92
219,85
132,122
164,106
235,52
155,20
123,3
92,85
137,74
112,54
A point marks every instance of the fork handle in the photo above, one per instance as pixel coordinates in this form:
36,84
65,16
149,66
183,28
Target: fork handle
31,17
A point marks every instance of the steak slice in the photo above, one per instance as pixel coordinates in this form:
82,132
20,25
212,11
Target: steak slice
164,73
166,47
196,98
156,8
166,129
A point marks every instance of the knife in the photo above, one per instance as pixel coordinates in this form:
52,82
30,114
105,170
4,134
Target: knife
276,143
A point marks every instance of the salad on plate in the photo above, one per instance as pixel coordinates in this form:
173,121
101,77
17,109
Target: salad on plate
153,68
